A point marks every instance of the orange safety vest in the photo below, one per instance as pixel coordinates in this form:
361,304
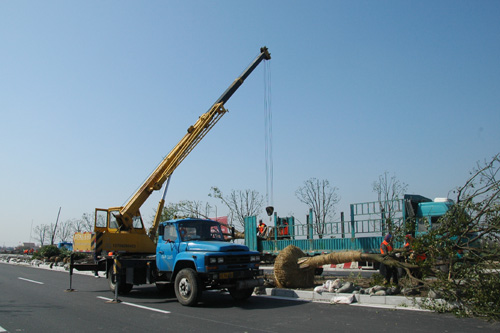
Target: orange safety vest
418,257
261,227
389,247
421,257
283,230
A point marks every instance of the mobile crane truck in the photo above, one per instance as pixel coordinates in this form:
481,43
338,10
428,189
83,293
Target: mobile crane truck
191,254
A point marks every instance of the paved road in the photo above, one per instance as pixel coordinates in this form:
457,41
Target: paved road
35,300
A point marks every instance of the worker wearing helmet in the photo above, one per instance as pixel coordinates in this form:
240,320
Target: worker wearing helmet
386,270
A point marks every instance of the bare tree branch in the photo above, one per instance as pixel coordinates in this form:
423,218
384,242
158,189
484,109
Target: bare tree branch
241,203
389,190
321,198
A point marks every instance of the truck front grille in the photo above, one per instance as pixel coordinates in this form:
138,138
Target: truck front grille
232,260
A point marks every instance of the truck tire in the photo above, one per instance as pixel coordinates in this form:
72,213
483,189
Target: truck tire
240,294
123,288
188,287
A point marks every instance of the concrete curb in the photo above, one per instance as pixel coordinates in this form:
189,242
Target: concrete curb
393,302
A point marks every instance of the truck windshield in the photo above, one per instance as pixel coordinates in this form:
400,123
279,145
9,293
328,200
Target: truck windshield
200,230
435,221
423,223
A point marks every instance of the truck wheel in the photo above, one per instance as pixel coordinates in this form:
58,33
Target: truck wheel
123,288
240,294
188,287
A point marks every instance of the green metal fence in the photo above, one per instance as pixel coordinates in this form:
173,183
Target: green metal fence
364,231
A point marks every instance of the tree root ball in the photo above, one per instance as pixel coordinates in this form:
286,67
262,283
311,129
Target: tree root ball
287,271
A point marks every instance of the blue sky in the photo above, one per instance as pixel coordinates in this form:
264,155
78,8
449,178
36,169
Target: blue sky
93,94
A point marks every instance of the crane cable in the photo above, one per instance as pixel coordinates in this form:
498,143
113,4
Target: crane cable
268,138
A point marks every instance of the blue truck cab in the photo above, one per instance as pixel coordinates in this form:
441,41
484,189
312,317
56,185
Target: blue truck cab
425,211
194,255
66,245
429,213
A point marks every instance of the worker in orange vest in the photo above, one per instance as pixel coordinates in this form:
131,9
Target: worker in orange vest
261,228
409,248
285,228
386,270
386,246
409,240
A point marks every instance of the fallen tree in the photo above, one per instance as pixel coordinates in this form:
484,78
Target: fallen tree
293,269
462,251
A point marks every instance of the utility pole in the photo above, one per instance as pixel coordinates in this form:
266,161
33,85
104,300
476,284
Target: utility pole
31,229
55,228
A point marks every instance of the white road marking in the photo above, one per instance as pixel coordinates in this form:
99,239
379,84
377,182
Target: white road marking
386,306
32,281
3,330
136,305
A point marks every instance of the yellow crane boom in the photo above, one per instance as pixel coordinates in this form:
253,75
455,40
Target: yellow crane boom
122,227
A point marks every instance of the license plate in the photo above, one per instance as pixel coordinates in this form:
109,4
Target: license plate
226,275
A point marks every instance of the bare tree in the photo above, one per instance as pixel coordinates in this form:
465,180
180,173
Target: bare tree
241,203
196,209
53,228
65,230
184,208
52,232
41,233
80,225
170,211
88,221
321,198
389,190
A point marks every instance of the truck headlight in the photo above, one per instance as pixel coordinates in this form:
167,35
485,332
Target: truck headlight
216,260
255,258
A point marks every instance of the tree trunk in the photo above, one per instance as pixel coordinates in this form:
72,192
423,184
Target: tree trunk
292,269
